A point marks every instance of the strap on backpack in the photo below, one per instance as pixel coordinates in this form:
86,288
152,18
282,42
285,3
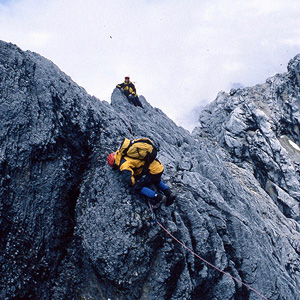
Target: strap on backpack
126,150
150,157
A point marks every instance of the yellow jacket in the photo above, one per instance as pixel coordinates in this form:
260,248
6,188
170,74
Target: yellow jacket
133,168
128,88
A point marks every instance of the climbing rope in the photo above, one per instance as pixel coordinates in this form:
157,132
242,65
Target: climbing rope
198,256
187,248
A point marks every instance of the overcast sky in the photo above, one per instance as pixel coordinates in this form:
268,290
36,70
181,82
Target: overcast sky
179,53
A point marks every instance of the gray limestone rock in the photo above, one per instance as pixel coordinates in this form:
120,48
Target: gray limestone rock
71,229
259,127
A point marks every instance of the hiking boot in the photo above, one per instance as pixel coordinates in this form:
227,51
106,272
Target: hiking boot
157,200
170,197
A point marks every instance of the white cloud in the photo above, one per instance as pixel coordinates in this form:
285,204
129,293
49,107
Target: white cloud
179,53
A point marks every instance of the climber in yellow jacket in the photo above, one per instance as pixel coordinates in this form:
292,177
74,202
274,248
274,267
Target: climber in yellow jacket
133,168
130,91
141,172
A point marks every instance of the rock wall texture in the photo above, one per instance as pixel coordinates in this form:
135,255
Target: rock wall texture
259,127
70,229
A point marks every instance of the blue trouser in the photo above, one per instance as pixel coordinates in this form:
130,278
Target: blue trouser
150,193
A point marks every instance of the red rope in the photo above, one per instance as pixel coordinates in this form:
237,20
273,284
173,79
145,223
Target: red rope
205,261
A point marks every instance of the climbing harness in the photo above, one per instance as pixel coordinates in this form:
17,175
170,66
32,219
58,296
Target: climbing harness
198,256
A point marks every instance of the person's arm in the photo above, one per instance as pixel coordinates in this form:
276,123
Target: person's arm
120,86
127,173
133,87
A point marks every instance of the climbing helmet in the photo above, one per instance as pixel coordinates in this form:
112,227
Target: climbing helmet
111,159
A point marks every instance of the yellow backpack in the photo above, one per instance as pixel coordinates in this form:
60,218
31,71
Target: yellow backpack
142,149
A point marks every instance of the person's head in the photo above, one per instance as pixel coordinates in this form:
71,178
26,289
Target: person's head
111,159
127,79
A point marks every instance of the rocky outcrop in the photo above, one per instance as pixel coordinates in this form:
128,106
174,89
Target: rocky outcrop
259,127
70,229
47,131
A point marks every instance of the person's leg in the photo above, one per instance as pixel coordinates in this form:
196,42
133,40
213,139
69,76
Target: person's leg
155,178
138,102
167,191
147,192
154,198
161,185
134,100
131,99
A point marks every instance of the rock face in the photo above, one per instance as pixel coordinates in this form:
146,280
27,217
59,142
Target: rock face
259,127
70,228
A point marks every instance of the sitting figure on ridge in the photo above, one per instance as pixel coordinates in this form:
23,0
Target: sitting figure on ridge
140,169
130,92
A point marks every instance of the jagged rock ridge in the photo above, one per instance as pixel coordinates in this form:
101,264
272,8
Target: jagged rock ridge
259,127
71,230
